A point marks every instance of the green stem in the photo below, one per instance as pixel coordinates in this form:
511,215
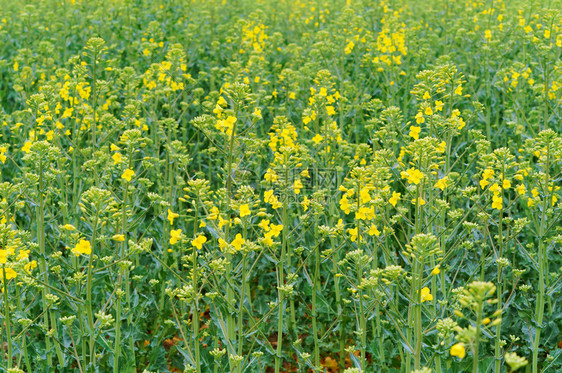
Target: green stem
7,318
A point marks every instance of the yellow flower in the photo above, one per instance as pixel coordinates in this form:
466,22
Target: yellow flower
428,111
276,229
244,210
82,247
175,236
521,189
30,266
425,295
3,256
9,273
374,231
458,90
305,203
119,237
238,242
24,254
222,244
419,118
199,241
317,139
353,234
69,227
458,350
330,110
297,186
171,216
415,132
497,202
116,158
394,199
27,146
128,174
441,183
435,271
264,224
413,175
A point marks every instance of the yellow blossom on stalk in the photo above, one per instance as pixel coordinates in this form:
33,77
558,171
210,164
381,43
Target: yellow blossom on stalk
305,203
349,47
497,202
428,111
69,227
487,174
23,254
353,233
238,242
439,105
413,175
419,118
426,95
458,350
82,247
171,216
441,183
244,210
264,224
214,213
128,174
27,146
521,189
3,256
364,195
415,132
373,231
344,204
117,157
297,186
425,295
330,110
119,237
222,243
9,273
270,198
395,198
175,236
435,271
506,184
458,90
199,241
30,266
67,112
317,139
270,176
276,230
